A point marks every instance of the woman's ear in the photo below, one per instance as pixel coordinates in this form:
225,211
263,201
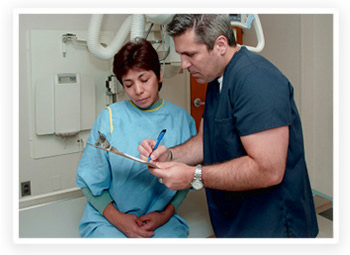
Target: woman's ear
160,76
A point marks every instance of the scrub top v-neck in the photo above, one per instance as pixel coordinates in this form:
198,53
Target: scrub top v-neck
256,96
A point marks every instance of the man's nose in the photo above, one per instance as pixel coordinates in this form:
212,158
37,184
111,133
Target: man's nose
185,63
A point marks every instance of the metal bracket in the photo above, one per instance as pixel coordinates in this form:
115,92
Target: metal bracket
69,37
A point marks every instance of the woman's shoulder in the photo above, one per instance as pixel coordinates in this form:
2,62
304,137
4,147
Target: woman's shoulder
119,105
176,111
112,108
173,107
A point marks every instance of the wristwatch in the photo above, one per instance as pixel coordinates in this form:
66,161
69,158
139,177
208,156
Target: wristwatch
197,183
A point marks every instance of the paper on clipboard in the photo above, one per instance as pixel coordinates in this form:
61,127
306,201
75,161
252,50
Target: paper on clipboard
102,144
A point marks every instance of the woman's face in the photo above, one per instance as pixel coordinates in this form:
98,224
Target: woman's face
142,87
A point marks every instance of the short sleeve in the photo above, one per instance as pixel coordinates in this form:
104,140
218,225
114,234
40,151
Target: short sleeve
262,101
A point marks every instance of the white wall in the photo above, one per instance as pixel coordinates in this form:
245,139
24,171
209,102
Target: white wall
317,98
301,46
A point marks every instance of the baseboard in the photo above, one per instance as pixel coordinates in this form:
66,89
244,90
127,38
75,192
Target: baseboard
322,204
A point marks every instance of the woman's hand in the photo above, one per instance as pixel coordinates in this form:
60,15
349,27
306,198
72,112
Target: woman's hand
153,220
129,224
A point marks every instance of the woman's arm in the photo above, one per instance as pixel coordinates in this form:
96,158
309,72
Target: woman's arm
153,220
129,224
98,202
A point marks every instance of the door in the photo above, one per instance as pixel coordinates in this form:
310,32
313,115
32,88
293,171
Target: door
198,91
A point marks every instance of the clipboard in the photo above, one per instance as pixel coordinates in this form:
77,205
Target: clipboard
103,144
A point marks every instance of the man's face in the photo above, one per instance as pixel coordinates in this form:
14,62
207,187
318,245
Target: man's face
203,65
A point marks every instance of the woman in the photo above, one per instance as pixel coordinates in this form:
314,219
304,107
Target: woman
124,199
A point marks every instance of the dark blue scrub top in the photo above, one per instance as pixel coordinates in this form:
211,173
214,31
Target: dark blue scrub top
256,96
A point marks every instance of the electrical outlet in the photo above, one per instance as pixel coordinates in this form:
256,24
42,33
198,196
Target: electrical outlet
26,189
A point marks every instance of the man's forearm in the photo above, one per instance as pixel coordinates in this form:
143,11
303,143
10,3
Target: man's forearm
191,152
239,174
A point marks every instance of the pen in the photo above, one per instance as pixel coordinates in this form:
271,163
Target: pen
160,137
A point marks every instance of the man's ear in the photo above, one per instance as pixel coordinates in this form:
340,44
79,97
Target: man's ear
221,44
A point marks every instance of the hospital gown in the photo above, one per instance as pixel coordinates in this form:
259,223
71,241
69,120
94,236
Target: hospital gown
133,189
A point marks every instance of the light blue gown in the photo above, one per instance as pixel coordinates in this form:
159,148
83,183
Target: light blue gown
130,184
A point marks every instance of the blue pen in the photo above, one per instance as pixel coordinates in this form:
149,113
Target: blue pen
160,137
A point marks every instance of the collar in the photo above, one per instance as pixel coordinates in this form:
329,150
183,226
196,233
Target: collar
152,108
220,79
220,82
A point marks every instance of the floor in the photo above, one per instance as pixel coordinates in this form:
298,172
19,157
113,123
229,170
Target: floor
37,221
324,210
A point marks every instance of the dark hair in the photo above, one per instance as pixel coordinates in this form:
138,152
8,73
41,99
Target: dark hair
207,27
138,54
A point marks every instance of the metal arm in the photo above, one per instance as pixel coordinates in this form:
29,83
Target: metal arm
245,21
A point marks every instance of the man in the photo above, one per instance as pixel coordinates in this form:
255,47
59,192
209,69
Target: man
250,139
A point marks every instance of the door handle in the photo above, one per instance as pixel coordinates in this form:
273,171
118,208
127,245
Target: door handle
198,102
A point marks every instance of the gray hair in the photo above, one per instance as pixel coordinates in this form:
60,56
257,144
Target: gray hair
207,27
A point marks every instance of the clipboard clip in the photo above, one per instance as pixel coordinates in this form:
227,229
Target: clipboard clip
103,144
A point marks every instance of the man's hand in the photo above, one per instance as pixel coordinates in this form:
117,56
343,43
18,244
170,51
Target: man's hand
175,175
161,154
